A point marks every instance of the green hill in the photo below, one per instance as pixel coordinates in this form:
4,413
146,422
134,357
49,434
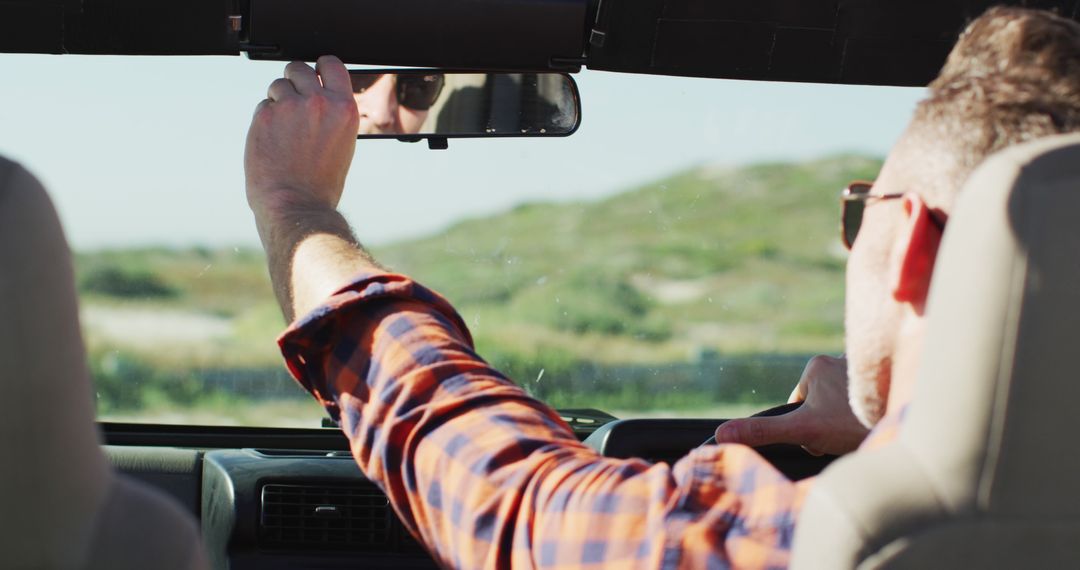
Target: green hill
734,260
683,281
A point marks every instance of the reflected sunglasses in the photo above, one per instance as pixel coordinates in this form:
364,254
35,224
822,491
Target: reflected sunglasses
853,203
417,92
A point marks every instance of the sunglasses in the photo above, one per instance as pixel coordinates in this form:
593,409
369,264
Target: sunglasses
417,92
852,205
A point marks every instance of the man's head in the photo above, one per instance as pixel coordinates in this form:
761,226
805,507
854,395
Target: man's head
1014,76
394,104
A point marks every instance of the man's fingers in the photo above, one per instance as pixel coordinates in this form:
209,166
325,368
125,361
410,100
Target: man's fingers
303,77
756,432
802,388
281,89
260,107
799,393
333,74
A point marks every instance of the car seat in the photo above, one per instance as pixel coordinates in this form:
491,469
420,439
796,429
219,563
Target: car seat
982,474
61,504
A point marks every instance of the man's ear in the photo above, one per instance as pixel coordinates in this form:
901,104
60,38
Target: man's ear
917,241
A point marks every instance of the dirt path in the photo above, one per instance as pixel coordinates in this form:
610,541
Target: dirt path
146,327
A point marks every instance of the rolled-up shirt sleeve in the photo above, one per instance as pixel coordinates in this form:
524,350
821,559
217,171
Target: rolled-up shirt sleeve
488,477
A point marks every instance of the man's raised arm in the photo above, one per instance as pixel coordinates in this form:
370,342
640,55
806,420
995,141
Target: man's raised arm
298,153
483,474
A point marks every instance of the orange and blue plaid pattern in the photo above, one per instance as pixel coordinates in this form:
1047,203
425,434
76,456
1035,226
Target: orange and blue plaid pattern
488,477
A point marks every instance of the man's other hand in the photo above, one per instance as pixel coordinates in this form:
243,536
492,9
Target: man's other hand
824,424
302,140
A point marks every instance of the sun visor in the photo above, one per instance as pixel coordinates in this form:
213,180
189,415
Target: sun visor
120,27
474,34
873,42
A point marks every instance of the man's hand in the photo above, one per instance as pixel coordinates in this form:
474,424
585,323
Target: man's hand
824,424
302,139
299,149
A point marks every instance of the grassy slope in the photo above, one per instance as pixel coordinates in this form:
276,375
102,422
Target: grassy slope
753,250
737,260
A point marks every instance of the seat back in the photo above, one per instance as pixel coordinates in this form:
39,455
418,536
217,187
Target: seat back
982,473
61,505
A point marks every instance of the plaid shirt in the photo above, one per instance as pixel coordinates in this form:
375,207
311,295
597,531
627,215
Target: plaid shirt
489,477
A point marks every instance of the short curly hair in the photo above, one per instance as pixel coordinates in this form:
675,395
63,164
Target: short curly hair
1013,76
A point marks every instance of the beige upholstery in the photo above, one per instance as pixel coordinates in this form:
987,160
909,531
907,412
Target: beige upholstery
61,505
985,470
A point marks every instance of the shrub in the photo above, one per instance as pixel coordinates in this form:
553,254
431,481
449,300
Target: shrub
125,283
593,303
126,383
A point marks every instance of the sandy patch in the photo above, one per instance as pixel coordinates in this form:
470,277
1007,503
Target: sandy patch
672,291
152,327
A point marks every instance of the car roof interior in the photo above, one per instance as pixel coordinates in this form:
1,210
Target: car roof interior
874,42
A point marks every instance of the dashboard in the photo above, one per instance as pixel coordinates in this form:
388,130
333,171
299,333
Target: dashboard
294,498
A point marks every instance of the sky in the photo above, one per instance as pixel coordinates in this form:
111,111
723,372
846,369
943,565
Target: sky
149,150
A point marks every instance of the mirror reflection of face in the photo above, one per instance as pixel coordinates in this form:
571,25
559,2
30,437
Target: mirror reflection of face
384,110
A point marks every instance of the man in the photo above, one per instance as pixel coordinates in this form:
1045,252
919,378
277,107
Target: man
489,477
395,104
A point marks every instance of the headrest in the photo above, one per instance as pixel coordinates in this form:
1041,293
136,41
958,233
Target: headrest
982,468
997,397
53,476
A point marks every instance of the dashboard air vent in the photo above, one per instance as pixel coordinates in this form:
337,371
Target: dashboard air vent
352,517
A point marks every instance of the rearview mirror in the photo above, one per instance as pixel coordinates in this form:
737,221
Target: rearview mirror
411,105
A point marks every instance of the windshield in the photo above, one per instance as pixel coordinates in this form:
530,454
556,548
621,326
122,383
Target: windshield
677,256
